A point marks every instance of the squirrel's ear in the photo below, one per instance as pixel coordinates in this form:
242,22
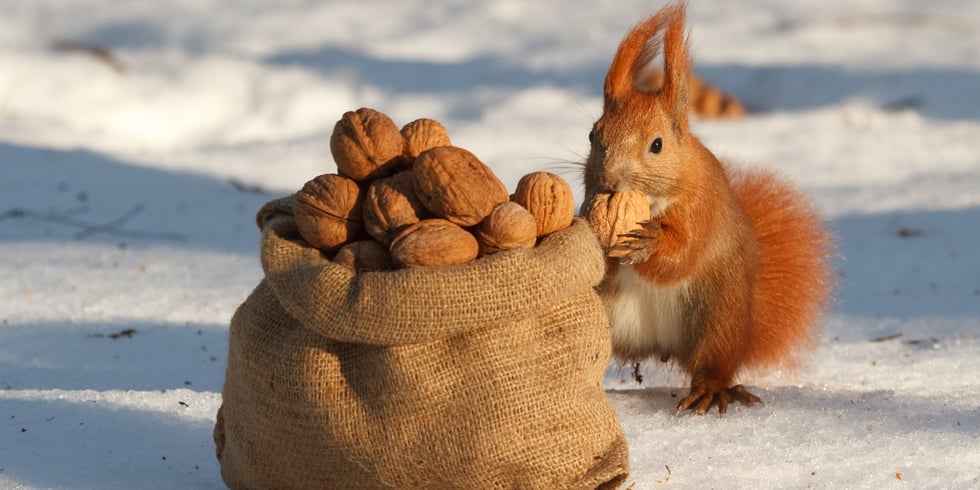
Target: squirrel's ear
635,52
639,48
677,69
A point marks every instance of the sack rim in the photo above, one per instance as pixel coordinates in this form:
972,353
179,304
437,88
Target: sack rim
407,306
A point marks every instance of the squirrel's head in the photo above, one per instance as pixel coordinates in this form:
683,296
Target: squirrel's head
641,140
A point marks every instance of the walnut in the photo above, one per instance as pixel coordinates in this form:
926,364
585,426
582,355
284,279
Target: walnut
422,134
366,144
390,205
328,211
453,184
549,198
433,242
613,214
364,256
508,226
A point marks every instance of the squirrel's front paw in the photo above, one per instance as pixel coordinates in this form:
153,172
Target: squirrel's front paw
638,245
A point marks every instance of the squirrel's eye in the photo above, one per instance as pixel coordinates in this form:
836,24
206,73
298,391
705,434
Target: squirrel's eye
656,146
592,136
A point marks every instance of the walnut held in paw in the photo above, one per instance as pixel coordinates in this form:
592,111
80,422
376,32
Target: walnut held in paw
454,184
423,134
508,226
433,242
364,256
390,205
366,144
328,211
613,215
549,198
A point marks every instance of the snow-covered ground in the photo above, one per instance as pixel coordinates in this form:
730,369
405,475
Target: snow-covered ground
128,187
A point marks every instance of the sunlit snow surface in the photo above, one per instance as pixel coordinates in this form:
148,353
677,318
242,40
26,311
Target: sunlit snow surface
128,192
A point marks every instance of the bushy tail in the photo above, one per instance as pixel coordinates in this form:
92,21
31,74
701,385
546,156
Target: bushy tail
795,280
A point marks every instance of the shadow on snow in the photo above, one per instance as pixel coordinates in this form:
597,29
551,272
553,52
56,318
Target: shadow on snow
88,444
137,356
940,93
84,196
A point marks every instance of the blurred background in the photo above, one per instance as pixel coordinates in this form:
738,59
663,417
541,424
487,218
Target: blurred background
138,139
251,89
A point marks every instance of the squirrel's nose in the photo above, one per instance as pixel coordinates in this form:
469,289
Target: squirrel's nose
608,172
614,174
612,182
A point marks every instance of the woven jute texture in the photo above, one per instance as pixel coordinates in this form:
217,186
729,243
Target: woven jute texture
479,376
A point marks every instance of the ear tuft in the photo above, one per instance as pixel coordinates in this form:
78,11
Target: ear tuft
636,50
628,74
677,69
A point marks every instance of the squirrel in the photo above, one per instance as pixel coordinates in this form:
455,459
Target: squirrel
731,273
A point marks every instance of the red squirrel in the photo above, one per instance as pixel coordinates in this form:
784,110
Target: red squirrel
731,272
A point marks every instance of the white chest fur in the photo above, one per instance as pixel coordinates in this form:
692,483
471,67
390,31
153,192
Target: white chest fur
646,318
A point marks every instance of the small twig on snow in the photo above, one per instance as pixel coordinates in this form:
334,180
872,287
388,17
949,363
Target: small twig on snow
113,227
101,54
887,337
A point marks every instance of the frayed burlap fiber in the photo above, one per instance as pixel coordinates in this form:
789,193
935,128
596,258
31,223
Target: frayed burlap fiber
484,375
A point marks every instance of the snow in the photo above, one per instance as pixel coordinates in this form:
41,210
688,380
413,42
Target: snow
127,199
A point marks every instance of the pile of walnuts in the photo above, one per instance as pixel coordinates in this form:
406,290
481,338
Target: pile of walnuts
408,198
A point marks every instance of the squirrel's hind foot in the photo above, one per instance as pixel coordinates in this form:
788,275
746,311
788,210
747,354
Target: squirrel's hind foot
701,399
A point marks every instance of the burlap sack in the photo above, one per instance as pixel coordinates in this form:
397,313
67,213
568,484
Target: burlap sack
484,375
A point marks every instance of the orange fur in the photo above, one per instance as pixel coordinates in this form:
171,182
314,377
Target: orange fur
731,273
794,281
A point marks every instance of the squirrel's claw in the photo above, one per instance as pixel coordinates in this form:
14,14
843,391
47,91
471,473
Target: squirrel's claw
701,399
646,231
636,246
631,252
